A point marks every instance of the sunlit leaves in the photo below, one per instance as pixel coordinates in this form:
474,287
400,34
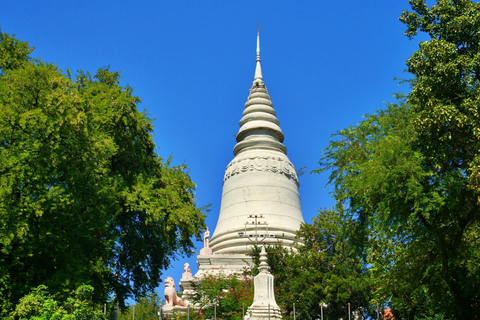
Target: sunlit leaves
40,305
409,174
84,198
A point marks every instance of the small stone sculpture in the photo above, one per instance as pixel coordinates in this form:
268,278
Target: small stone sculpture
206,244
206,239
171,298
187,272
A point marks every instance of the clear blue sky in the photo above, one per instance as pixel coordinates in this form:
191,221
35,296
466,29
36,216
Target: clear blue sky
325,63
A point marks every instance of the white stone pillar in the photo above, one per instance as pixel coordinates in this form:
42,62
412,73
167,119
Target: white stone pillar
264,306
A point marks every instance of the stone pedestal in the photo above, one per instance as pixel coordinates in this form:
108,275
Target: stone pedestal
187,275
264,305
206,251
186,285
222,263
167,312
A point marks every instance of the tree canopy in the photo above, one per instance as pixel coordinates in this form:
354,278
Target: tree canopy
145,308
408,175
84,197
40,305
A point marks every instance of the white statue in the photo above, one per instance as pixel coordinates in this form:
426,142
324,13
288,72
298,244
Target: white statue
187,272
171,298
206,239
206,244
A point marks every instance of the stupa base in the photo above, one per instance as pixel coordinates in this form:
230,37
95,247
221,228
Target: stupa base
223,264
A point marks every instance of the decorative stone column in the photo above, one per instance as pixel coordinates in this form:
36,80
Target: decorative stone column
264,305
186,284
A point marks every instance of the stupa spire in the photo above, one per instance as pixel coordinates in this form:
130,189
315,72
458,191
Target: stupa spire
258,69
259,126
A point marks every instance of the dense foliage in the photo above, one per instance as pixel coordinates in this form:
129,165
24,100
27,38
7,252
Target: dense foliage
145,308
84,198
40,305
409,175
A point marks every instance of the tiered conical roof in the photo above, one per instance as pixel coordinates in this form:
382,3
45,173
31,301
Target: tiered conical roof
259,127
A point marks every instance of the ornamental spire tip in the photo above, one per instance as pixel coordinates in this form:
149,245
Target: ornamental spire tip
258,69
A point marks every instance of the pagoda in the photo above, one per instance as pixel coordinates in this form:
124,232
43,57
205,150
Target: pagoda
260,206
260,199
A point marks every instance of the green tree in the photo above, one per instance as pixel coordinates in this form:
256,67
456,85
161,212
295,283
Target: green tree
13,52
146,308
408,175
40,305
84,197
326,269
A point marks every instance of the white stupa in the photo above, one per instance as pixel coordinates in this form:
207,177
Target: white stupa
260,199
